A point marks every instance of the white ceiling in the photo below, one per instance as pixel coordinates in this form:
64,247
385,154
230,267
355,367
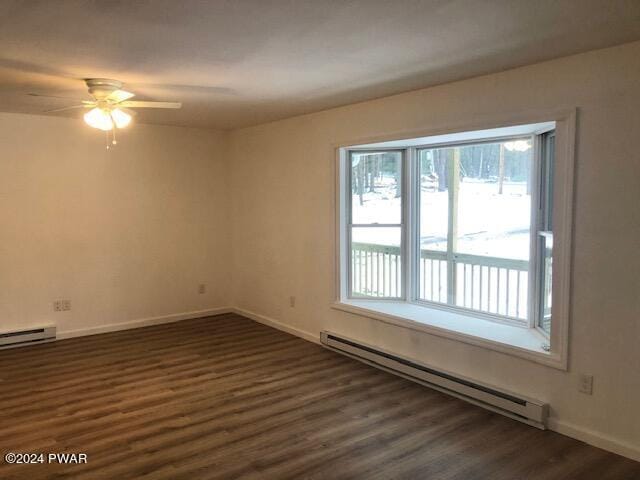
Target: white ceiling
241,62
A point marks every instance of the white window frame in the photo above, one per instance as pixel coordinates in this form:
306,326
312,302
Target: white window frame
402,225
450,255
426,319
541,209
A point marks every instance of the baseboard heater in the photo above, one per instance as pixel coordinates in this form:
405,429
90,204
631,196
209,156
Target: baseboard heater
22,338
527,410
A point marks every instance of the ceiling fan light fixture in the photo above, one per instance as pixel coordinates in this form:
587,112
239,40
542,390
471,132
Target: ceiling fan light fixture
99,118
109,106
120,118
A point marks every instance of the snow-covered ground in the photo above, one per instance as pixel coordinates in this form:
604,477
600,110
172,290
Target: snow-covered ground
489,223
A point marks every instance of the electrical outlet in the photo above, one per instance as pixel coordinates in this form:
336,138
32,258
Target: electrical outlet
202,288
292,301
585,384
62,305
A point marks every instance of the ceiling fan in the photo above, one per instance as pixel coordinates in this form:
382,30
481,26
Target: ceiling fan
110,107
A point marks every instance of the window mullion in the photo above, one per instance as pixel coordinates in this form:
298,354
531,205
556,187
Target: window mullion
409,230
345,169
535,270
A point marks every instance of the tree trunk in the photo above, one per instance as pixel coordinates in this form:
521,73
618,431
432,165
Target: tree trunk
372,174
361,180
441,166
501,169
398,179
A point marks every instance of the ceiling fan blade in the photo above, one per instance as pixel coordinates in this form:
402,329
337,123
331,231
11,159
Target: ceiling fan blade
66,108
159,89
54,96
118,96
140,104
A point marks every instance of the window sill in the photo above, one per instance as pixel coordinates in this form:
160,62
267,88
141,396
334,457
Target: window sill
512,340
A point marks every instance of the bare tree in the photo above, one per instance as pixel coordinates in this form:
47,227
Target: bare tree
501,169
360,177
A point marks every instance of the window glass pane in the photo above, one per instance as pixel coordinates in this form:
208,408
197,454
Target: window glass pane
376,266
473,230
550,151
494,199
376,187
434,214
480,194
434,198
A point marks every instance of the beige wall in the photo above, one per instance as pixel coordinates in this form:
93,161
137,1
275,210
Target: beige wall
125,235
284,230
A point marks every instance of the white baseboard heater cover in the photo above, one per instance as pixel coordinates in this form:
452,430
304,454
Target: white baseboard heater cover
31,336
527,410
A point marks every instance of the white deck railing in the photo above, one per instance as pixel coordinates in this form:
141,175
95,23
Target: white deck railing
376,270
493,285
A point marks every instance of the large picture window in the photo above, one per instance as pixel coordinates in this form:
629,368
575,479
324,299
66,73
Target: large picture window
475,226
460,222
376,224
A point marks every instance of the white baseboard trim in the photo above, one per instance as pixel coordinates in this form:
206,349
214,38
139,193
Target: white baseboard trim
278,325
142,322
596,439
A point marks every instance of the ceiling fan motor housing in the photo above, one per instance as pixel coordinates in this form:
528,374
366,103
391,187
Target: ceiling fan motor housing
102,87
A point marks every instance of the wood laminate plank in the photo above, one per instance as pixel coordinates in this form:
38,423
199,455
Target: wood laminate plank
225,397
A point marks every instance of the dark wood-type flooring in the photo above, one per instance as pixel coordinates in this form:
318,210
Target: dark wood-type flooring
225,397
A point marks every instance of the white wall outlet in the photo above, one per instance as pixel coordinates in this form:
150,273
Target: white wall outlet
292,301
202,288
585,384
62,305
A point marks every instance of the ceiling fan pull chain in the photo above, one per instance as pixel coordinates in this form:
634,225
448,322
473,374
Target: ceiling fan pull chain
113,133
